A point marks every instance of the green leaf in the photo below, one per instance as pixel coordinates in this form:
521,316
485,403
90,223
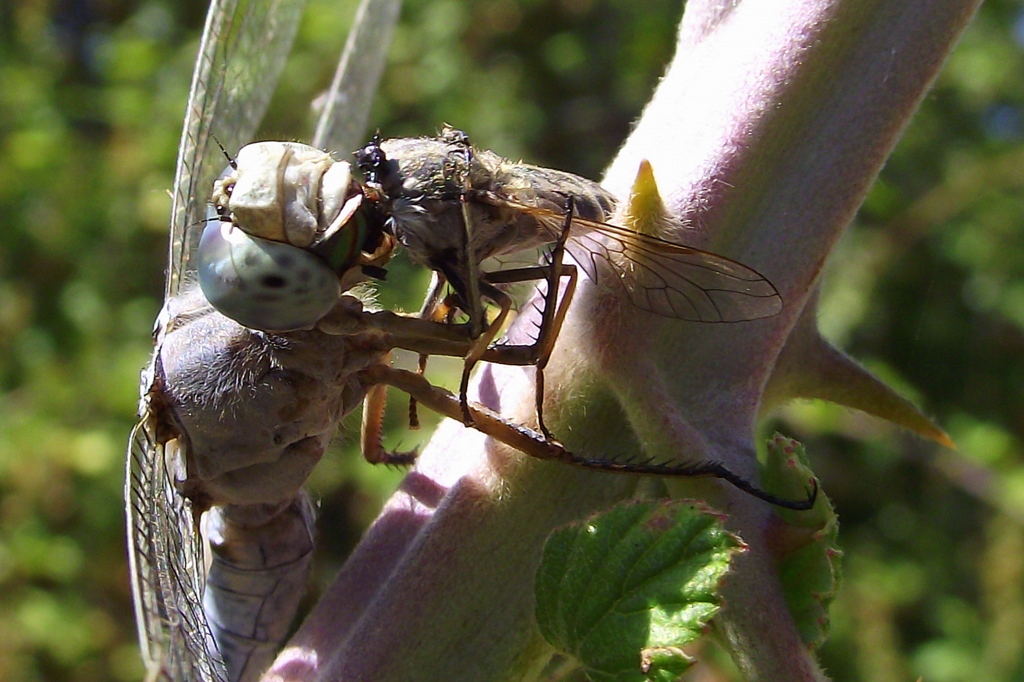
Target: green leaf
625,590
809,552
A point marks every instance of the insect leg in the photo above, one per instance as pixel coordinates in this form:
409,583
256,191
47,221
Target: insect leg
432,309
482,333
539,352
444,312
472,299
486,421
397,331
554,314
536,445
372,428
414,415
482,343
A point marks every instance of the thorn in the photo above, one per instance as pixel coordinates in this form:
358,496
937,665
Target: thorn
645,211
810,367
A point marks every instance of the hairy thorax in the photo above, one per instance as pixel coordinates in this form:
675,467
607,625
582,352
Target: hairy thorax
258,410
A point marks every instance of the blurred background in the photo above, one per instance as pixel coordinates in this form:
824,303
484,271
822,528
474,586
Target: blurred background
927,289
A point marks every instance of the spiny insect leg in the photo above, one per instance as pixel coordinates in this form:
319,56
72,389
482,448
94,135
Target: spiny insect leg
536,445
372,429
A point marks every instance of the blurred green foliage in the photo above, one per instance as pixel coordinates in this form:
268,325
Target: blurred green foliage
927,289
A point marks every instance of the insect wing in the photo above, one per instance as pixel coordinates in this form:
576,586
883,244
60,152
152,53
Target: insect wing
659,276
242,51
166,559
346,106
672,280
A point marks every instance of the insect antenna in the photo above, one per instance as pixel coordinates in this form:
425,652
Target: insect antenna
231,160
203,222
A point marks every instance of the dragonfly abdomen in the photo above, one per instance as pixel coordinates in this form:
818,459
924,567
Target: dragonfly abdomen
261,560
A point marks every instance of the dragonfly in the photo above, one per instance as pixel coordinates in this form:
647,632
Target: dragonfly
234,414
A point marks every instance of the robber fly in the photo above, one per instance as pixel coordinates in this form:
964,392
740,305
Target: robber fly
453,206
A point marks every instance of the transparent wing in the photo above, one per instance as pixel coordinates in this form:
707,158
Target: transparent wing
670,279
661,277
166,559
346,106
243,49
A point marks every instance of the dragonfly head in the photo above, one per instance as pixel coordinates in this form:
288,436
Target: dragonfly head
288,230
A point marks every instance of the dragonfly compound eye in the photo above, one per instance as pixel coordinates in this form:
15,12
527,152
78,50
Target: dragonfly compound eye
263,284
